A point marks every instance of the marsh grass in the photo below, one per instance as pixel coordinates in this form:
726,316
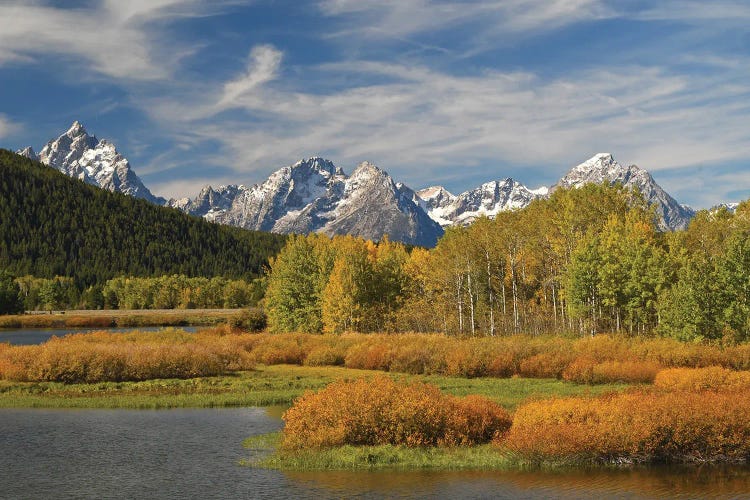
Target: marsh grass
265,453
266,385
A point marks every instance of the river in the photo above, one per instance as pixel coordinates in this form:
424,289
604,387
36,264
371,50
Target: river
30,336
195,453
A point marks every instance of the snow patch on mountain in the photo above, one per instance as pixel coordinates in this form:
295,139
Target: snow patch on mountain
82,156
602,168
488,200
313,195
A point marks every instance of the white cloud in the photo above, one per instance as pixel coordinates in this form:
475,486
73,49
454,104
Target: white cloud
110,37
6,126
427,126
263,66
490,20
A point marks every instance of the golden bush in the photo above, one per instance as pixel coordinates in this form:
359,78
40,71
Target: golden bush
634,427
701,379
381,411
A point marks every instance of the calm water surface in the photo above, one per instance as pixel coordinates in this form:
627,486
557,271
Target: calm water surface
195,453
30,336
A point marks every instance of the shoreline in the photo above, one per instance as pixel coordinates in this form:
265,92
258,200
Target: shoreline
110,318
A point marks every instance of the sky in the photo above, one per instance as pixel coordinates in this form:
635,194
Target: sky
454,93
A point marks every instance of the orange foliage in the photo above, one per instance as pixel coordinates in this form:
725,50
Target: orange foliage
586,370
635,427
102,356
601,359
701,379
381,411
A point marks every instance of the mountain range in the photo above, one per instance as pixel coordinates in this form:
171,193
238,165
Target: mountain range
313,195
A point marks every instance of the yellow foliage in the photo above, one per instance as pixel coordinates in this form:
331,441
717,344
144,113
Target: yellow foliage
381,411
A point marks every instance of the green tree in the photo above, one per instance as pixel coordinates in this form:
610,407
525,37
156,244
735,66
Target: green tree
10,295
296,281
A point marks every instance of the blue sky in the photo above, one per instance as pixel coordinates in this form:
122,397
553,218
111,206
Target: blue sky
434,92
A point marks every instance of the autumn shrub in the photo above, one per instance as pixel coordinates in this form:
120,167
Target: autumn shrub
325,355
381,411
738,356
546,364
368,355
283,348
634,427
674,353
580,370
587,370
417,353
701,379
102,356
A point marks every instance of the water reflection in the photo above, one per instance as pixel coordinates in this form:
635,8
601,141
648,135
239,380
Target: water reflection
31,336
655,482
195,453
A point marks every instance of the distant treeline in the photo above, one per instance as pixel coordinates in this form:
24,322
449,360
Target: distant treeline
585,260
164,292
52,225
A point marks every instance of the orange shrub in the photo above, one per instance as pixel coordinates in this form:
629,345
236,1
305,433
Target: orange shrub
546,365
102,356
587,371
701,379
283,348
368,356
381,411
634,427
325,356
738,357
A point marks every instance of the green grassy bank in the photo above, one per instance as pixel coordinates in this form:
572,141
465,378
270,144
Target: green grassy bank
264,386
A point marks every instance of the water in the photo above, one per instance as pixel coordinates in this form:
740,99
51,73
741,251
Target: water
195,453
30,336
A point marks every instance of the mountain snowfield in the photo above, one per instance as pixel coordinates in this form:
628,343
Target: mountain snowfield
313,195
84,157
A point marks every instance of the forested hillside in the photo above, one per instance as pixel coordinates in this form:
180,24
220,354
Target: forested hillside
586,260
51,225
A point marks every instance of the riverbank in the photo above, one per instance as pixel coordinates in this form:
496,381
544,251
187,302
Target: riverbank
265,386
121,318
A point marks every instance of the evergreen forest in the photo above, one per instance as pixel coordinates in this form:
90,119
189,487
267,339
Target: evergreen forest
54,226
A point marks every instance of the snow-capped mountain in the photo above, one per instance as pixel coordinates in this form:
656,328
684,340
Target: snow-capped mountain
83,156
313,195
602,167
488,199
730,207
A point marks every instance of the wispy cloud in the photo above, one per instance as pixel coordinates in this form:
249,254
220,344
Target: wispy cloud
423,124
263,66
485,22
110,37
6,126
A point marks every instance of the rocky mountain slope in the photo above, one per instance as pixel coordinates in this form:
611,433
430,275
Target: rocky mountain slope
603,168
313,195
83,156
486,200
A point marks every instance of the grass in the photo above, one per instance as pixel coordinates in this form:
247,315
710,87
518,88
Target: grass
264,386
484,457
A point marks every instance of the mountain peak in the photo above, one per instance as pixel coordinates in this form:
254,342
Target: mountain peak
603,168
76,130
84,157
29,153
316,164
